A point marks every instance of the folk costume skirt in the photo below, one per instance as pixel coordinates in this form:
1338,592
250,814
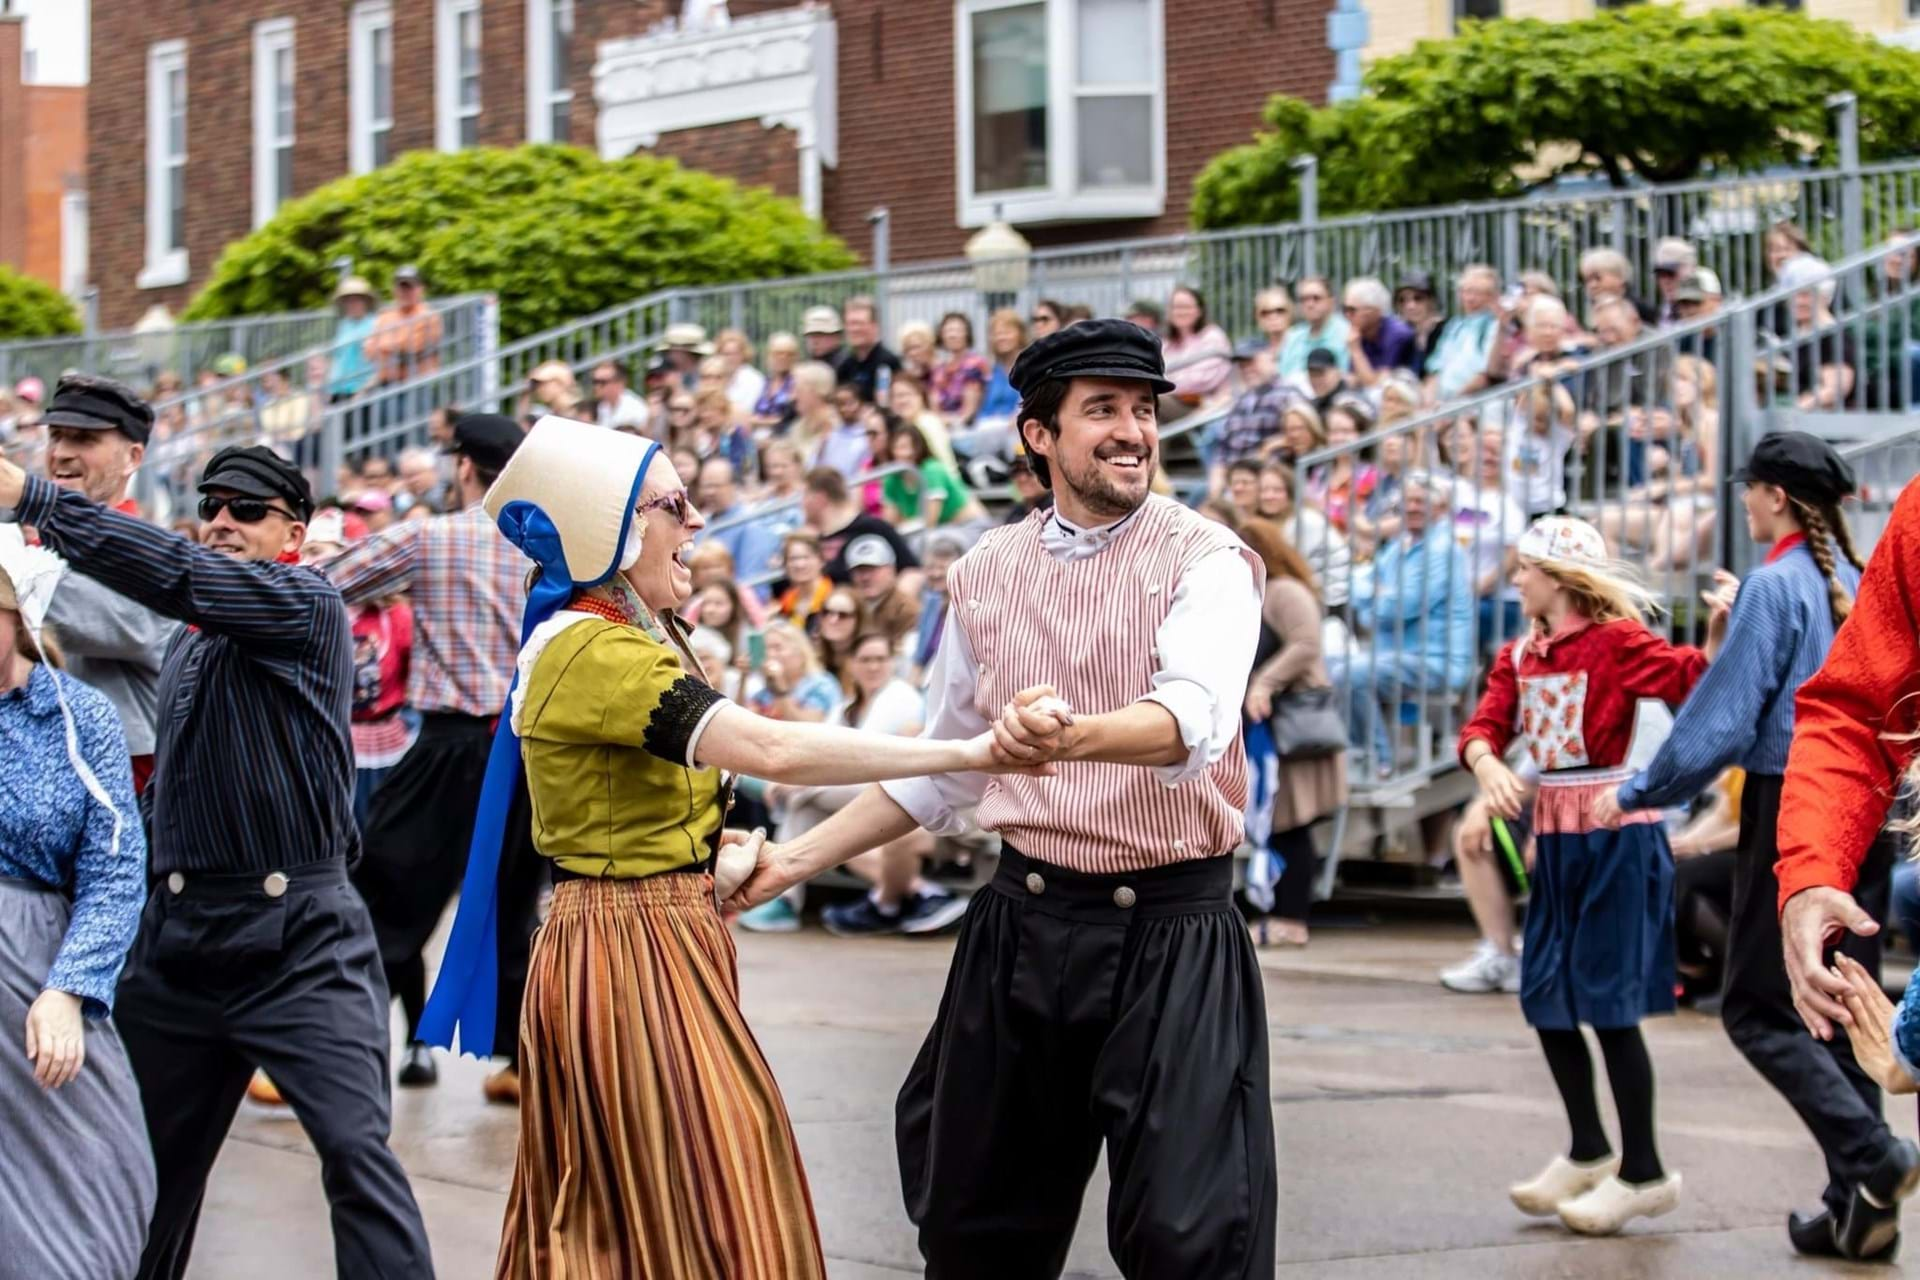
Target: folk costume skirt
1600,920
653,1140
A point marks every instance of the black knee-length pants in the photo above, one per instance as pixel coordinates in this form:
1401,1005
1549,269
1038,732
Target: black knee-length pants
1084,1009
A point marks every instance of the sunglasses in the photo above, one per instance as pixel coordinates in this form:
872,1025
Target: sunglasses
603,381
1276,311
245,510
676,502
679,408
838,613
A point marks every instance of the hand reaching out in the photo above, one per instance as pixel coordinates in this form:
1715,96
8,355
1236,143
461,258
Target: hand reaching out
1872,1028
1814,918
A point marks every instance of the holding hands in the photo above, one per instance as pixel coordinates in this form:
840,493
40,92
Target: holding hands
1871,1028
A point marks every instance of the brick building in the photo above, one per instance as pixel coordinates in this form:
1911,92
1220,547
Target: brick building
1080,119
43,167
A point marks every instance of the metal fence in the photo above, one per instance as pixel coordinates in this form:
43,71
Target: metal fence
1411,528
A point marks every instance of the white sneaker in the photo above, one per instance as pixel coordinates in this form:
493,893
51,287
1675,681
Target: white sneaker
1489,970
1562,1180
1611,1205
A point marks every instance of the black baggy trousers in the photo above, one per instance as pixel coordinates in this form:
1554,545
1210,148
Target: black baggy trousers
227,977
1080,1009
1837,1101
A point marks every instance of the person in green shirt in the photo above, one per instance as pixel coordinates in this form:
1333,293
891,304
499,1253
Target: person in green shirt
936,495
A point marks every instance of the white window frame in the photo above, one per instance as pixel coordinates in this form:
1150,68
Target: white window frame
369,17
1060,200
165,264
448,113
270,39
542,94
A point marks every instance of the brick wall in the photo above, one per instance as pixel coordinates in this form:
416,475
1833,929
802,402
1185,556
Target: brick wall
13,144
56,155
744,150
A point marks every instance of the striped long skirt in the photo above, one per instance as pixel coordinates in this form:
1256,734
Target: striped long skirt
653,1140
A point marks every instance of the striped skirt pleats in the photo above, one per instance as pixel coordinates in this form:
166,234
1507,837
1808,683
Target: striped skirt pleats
653,1140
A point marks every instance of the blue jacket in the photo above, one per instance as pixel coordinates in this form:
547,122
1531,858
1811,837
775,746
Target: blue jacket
1417,599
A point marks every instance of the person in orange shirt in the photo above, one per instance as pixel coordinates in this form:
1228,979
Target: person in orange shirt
406,335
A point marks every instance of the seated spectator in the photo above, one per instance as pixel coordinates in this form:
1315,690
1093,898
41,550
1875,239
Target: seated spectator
1325,549
776,512
1698,297
1029,494
1548,348
720,504
718,608
1487,524
933,493
1377,340
1007,335
1255,416
1048,317
1241,488
866,357
1414,604
686,463
717,434
1415,302
891,606
685,345
1324,381
848,447
614,403
1605,273
1318,328
745,384
1347,481
908,400
1458,364
1273,314
286,415
1617,403
658,386
1674,260
551,388
1198,355
375,507
1784,242
942,550
960,374
1824,360
1302,431
916,351
773,410
1539,436
1075,313
1148,314
816,418
831,511
1378,517
682,414
842,618
421,479
807,585
1669,522
1400,399
822,330
791,685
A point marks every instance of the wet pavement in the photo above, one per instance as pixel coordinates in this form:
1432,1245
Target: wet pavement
1403,1111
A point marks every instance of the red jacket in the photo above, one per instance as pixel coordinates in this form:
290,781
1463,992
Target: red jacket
1852,720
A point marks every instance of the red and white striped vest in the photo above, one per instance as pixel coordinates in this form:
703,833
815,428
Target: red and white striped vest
1087,628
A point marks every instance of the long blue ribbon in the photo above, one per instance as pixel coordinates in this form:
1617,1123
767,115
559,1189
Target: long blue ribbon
466,993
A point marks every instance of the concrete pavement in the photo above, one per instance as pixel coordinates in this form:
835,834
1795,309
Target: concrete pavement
1403,1111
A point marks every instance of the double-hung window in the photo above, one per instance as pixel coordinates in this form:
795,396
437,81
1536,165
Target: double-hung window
549,70
1061,109
370,85
456,75
166,165
272,117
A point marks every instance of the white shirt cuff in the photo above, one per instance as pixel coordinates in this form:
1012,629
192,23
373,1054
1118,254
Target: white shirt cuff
924,803
1192,710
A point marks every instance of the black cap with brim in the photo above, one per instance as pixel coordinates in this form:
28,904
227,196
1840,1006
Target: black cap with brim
1806,466
87,403
488,438
1093,349
258,472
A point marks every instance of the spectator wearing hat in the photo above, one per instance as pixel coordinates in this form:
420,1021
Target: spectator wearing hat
820,328
1323,382
467,587
685,345
349,368
254,951
891,606
614,403
1674,260
97,435
1418,306
1378,342
1255,415
960,374
406,337
1317,327
866,362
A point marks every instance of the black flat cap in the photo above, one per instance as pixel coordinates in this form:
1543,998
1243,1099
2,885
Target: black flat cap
88,403
259,472
1415,282
1321,358
1806,466
488,438
1251,348
1093,349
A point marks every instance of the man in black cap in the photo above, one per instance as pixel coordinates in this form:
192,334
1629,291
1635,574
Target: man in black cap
1103,989
1415,302
468,589
254,950
97,433
1324,378
1743,713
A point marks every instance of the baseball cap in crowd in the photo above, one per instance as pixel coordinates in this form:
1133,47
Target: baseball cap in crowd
1250,348
408,274
660,367
1672,254
870,551
488,438
1092,349
1806,466
88,403
1698,287
820,320
1414,282
1321,358
372,500
30,388
259,472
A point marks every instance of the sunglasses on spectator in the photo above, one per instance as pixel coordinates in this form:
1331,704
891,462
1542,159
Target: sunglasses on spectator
838,613
604,379
1276,311
676,502
245,510
1348,308
679,407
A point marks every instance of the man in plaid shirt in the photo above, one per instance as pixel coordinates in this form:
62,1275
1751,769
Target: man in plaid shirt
467,585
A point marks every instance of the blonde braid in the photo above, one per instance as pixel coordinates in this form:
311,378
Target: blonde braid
1837,526
1820,543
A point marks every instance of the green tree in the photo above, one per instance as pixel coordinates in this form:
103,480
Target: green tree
30,309
1649,92
553,231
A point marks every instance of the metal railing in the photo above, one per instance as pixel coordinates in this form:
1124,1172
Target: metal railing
1411,528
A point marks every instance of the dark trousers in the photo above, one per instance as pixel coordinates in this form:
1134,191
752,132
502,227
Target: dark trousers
419,828
224,979
1069,1020
1835,1099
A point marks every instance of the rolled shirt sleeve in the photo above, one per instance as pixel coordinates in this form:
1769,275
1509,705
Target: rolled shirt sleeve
1206,645
943,803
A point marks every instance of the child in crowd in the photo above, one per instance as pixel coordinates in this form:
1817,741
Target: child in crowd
1599,931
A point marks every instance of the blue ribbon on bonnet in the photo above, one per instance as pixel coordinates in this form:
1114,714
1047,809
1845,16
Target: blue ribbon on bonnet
466,993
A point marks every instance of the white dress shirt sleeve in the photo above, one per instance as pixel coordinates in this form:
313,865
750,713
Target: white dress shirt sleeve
1206,646
944,803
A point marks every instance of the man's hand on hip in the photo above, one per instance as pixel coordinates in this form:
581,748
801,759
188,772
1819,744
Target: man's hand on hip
1813,918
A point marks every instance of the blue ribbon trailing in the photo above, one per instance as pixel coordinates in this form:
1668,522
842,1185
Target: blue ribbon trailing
466,992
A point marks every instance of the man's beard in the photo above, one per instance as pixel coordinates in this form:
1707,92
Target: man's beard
1098,494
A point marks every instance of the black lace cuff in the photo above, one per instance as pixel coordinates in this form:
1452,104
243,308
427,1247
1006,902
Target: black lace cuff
682,708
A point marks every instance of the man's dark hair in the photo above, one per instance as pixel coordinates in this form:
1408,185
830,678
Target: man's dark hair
1147,307
1043,405
861,392
1059,309
962,317
485,475
618,367
828,483
1249,465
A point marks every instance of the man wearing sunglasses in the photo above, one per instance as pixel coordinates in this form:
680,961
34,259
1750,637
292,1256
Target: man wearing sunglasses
254,950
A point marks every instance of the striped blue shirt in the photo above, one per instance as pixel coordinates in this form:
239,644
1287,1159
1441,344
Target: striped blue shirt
1741,712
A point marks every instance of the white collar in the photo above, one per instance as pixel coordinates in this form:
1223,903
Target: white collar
1066,541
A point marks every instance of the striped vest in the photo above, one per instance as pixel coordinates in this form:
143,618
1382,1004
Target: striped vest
1087,628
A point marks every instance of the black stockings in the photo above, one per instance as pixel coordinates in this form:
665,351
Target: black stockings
1630,1072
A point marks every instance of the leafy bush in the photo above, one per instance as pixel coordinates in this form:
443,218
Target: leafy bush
30,309
1647,92
553,231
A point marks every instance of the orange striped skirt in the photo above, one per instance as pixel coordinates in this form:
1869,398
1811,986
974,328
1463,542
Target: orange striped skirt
653,1140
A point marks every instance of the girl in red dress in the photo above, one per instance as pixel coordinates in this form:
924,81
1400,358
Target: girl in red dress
1599,930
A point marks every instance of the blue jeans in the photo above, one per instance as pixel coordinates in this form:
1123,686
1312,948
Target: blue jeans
1381,679
1905,908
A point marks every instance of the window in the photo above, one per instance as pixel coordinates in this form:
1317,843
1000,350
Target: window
1061,110
1484,10
166,166
370,84
456,78
549,70
272,117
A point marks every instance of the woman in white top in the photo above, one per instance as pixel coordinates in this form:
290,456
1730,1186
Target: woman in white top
1307,529
744,382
